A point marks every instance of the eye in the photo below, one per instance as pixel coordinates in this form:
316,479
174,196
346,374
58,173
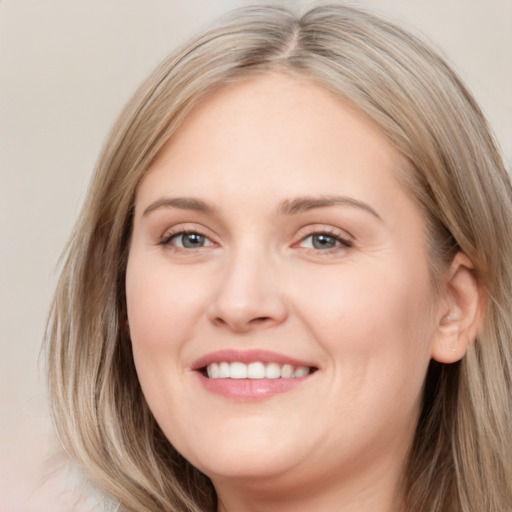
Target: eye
188,240
324,242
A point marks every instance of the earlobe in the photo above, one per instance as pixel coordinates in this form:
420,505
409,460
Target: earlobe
460,312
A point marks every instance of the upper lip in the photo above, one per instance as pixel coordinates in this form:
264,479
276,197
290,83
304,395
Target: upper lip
246,356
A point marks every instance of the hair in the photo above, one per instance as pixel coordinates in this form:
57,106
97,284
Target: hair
461,455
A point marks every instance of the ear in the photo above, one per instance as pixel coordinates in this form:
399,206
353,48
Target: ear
460,311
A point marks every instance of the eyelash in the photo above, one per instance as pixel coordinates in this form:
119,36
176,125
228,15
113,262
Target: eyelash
342,243
168,238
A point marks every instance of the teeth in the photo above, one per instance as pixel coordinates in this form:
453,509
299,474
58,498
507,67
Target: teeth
238,371
255,370
273,371
213,371
287,371
224,370
300,371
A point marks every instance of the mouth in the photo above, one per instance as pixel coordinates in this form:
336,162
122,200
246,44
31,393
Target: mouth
256,370
250,375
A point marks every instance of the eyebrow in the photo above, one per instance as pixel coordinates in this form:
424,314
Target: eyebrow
183,203
302,204
286,207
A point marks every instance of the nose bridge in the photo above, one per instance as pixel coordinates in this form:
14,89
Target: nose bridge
248,295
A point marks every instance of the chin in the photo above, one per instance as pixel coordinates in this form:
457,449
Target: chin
252,459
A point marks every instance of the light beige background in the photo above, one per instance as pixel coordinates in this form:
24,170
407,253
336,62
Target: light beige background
66,69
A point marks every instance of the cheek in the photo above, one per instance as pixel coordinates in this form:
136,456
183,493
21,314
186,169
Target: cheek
162,304
164,307
373,321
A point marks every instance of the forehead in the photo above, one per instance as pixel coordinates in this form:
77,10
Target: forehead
270,127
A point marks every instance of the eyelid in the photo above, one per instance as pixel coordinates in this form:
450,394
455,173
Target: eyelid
183,229
345,239
315,229
183,235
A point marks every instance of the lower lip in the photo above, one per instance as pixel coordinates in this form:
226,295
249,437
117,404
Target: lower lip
251,389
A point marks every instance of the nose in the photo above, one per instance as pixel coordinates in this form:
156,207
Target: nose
248,296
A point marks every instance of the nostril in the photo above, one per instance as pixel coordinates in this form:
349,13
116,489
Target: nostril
259,320
243,325
219,321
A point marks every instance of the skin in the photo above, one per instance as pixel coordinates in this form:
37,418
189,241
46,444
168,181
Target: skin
363,312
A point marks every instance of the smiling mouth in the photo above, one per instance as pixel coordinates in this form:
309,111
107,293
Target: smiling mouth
256,370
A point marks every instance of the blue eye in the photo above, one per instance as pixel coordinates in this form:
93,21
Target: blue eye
324,241
189,240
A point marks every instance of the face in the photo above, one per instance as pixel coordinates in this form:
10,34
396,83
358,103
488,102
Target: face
279,297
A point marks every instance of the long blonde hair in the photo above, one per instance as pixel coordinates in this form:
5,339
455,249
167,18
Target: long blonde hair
461,458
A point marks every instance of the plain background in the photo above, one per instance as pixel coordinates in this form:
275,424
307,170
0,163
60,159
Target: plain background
66,69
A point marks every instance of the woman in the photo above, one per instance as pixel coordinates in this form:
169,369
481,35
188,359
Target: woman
289,288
